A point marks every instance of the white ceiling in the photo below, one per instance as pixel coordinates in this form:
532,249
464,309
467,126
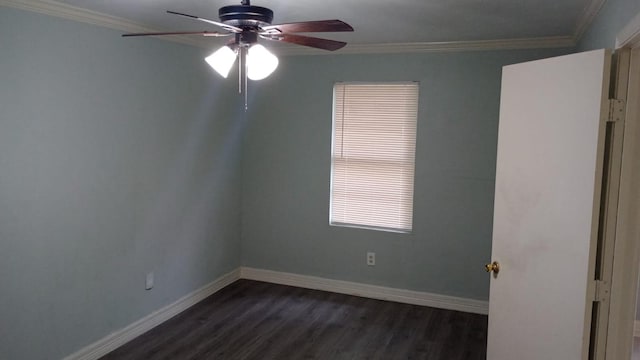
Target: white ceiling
375,21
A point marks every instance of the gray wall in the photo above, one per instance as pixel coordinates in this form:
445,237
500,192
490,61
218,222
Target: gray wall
286,172
121,156
117,157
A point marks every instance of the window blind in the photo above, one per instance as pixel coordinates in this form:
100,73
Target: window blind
373,155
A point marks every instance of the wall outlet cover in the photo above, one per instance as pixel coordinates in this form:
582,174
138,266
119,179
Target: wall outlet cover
371,258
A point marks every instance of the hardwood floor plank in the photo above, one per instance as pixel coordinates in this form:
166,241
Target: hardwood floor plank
257,320
298,330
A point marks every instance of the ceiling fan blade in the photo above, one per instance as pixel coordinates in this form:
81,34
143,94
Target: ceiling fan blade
203,33
222,25
314,42
310,26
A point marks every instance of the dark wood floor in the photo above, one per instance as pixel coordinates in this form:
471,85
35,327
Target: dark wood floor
256,320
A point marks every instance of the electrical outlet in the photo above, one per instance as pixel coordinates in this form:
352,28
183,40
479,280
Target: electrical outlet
371,258
149,281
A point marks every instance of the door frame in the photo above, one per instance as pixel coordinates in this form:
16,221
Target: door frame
626,269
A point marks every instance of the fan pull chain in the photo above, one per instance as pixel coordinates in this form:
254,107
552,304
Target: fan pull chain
240,70
242,75
246,83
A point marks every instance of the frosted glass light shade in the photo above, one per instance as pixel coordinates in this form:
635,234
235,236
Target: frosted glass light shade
260,62
222,60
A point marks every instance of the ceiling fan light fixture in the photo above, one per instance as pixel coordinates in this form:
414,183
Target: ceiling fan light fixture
222,60
247,23
260,62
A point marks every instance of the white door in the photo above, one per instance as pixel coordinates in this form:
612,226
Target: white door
549,171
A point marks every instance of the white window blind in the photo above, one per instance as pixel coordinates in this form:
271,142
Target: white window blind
373,153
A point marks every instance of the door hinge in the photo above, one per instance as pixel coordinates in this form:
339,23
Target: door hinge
602,290
616,110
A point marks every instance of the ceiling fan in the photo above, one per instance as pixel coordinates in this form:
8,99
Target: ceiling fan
246,23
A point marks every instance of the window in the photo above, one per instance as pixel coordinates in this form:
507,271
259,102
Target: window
373,153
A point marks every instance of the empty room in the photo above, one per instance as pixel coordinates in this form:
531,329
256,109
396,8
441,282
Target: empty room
226,179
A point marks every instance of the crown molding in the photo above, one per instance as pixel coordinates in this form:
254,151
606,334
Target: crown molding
57,9
630,34
445,46
588,15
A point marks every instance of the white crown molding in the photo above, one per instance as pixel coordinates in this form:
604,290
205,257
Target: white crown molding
368,291
446,46
588,15
57,9
54,8
113,341
630,34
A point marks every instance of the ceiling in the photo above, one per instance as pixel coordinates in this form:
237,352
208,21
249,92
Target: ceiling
377,23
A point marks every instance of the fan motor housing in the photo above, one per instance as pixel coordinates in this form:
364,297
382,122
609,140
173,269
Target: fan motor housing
245,15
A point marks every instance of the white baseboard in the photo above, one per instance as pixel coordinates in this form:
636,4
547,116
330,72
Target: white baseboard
122,336
369,291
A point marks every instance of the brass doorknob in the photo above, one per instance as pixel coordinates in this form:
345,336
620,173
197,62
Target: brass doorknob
493,267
